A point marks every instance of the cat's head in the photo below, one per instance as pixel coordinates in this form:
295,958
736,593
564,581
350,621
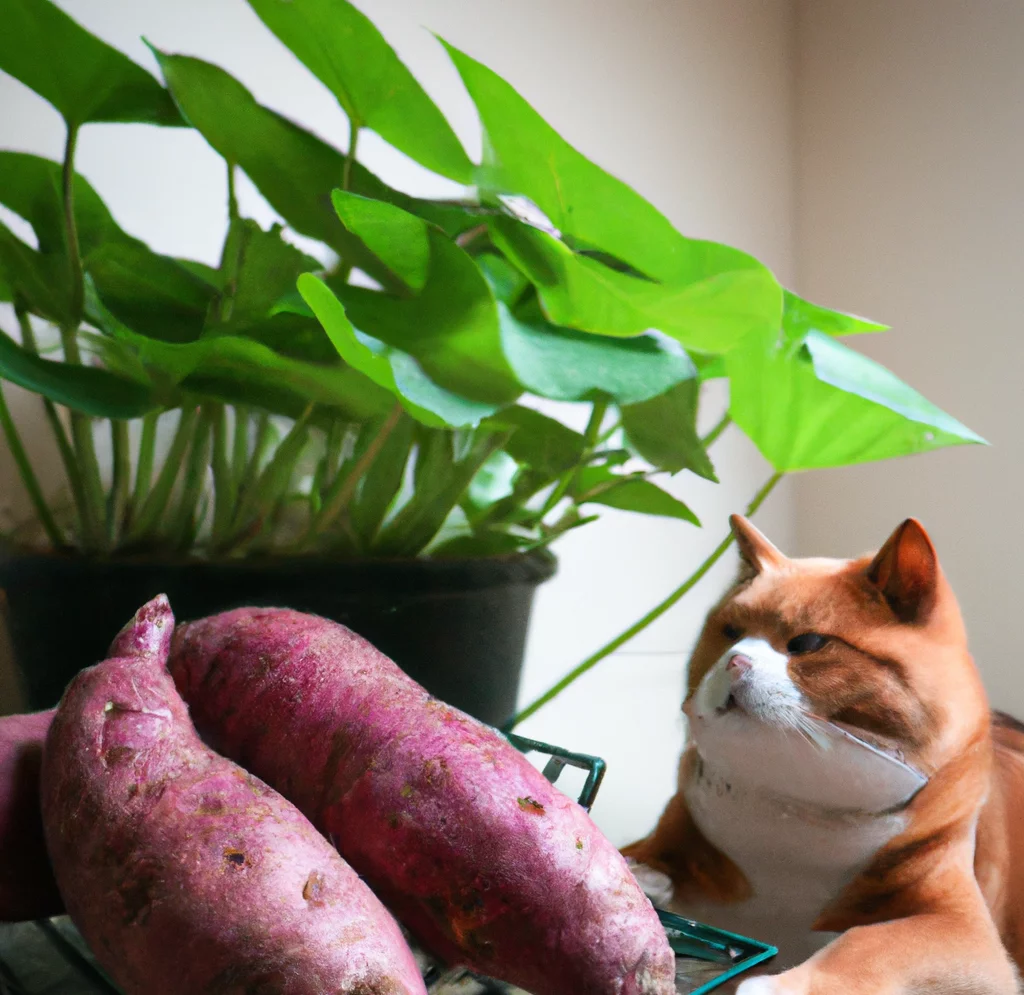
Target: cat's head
801,647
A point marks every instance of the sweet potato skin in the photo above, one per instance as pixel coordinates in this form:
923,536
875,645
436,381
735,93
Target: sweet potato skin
485,861
184,873
27,886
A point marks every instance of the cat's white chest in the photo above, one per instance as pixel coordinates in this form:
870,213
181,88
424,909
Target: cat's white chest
796,861
797,854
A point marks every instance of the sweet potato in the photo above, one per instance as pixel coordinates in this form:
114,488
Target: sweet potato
485,862
27,887
184,873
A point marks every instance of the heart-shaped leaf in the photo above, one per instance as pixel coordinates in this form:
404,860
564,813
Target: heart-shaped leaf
451,326
396,237
389,368
31,186
84,78
801,317
599,485
734,297
663,431
566,365
290,166
259,268
152,294
816,403
39,282
524,155
341,46
539,441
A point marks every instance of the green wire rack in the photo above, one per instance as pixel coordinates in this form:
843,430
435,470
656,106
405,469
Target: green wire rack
49,957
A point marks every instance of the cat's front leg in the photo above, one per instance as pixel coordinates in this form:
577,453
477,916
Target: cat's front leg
777,984
937,953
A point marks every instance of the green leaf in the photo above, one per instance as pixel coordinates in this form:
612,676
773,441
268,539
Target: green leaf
395,371
818,403
663,431
729,297
710,366
398,239
260,267
154,295
508,284
290,166
84,78
800,317
241,370
31,186
493,482
539,441
451,327
598,485
42,283
341,46
565,365
83,388
524,155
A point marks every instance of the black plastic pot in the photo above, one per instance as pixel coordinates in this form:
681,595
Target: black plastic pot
456,626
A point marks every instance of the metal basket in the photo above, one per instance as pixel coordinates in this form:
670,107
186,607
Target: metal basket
48,957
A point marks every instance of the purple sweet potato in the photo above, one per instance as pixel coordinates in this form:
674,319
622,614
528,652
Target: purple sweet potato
184,873
27,887
484,861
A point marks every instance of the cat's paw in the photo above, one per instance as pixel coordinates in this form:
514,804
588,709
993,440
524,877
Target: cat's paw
655,885
769,985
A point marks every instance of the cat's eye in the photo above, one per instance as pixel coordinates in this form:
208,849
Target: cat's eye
730,631
807,642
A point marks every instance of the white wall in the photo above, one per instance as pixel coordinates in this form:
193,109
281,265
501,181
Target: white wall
689,101
911,210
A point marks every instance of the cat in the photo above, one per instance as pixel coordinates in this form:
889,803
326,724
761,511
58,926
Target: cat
845,792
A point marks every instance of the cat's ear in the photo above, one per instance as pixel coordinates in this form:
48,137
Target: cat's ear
906,571
756,552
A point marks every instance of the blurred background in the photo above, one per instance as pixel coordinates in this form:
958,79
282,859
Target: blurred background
868,152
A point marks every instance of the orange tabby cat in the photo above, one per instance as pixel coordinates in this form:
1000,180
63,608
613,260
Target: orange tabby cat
846,792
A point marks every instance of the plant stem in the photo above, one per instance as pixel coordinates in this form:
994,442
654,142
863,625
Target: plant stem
184,525
144,467
723,423
70,227
120,482
223,478
239,446
156,500
81,425
346,179
337,496
638,626
259,504
264,440
232,198
67,454
350,155
28,476
590,440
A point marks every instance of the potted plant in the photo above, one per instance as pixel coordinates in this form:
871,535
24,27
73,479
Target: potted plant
358,432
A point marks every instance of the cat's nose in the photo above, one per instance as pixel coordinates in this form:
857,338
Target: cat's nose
738,665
